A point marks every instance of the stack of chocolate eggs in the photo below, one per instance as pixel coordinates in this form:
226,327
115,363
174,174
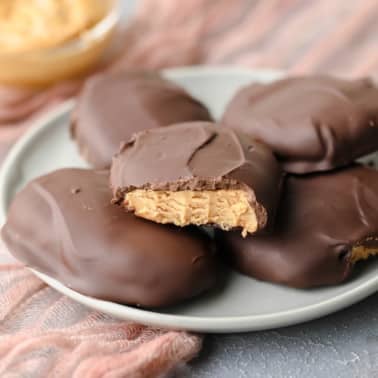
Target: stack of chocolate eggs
272,190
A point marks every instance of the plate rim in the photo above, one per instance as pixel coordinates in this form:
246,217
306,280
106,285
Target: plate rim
245,323
188,322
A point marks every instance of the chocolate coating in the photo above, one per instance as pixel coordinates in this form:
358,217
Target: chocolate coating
198,156
112,107
321,218
312,123
63,224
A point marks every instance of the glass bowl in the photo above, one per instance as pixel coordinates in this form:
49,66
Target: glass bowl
42,67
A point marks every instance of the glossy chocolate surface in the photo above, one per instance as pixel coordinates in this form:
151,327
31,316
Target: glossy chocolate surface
312,123
112,107
198,156
322,217
63,224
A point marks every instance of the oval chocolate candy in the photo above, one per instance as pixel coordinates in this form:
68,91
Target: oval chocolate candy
64,225
112,107
313,123
325,224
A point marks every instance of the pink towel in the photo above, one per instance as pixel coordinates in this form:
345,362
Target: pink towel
44,334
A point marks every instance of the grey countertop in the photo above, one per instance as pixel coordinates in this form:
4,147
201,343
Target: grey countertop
342,345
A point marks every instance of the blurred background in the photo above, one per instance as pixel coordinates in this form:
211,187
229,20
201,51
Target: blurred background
300,36
49,48
338,37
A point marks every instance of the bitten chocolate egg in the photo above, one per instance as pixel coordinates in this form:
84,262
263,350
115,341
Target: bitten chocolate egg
198,173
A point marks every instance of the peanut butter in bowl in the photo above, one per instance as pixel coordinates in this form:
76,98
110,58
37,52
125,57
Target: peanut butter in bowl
44,41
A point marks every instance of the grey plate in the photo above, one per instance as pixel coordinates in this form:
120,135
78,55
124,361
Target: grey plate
243,304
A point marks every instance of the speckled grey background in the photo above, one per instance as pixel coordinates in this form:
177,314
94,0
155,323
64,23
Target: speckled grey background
342,345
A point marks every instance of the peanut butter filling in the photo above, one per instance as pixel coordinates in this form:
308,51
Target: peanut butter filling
33,24
226,208
363,253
